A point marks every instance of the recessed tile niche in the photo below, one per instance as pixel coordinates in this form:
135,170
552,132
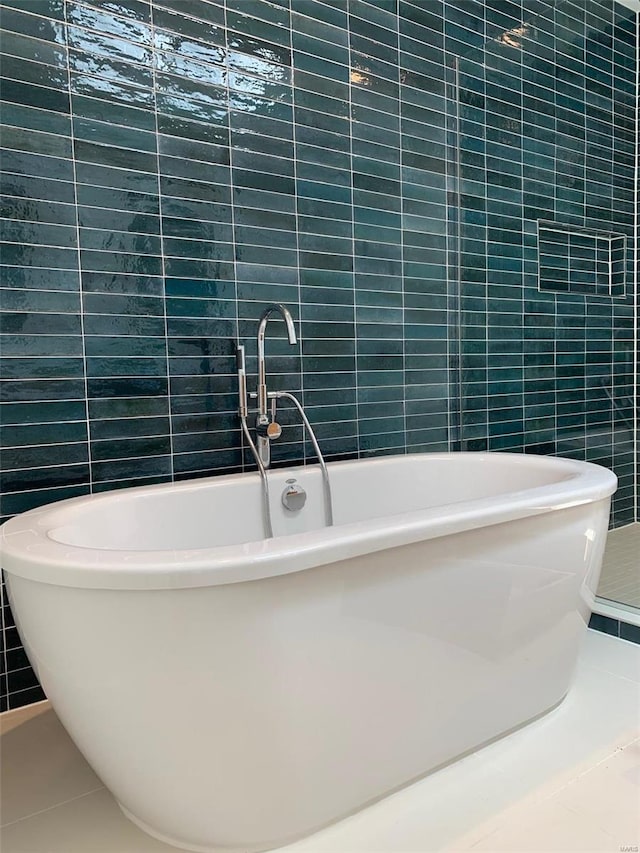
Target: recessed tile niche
581,260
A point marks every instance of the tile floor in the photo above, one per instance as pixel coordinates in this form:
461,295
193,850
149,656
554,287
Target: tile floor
568,782
620,578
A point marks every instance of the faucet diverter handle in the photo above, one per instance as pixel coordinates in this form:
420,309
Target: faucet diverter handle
269,429
274,430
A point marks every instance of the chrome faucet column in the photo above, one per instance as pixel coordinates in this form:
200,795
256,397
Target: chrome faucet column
242,412
266,429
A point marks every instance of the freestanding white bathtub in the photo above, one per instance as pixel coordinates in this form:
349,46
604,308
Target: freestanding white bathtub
235,693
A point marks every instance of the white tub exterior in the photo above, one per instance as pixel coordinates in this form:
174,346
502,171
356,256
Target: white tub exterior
236,693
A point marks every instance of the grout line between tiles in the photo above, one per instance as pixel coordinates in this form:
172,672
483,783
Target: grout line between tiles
52,808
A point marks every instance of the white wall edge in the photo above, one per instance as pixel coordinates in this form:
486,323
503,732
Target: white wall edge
630,4
614,610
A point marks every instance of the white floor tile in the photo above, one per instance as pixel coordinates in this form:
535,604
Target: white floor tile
545,828
603,652
602,801
609,795
90,824
41,766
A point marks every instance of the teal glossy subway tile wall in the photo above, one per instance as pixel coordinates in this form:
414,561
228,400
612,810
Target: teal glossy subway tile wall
379,166
546,212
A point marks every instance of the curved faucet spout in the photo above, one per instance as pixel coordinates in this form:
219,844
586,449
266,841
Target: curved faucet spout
275,308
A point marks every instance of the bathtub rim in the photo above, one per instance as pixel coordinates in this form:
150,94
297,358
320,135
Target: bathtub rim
27,551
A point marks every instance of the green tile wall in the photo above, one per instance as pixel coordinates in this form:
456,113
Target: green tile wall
170,167
547,113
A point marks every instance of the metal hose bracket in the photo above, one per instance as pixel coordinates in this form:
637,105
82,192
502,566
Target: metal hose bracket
328,503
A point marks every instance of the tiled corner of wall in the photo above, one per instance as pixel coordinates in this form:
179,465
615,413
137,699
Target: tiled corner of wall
171,166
